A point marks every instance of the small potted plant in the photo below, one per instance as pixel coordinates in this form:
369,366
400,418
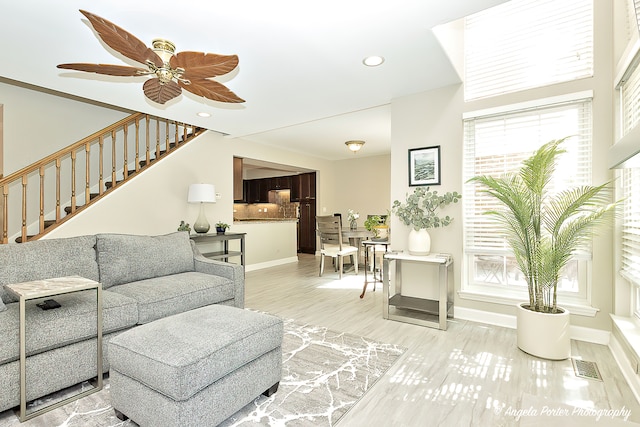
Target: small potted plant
377,224
184,226
420,212
221,227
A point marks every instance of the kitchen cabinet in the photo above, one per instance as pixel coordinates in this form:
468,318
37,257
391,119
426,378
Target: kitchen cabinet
280,183
307,227
303,187
257,191
238,183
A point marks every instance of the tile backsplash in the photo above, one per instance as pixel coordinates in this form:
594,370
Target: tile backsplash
282,207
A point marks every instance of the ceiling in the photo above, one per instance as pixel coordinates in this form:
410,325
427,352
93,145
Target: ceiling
300,71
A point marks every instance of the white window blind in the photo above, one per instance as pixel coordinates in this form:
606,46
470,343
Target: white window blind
630,99
631,225
523,44
498,144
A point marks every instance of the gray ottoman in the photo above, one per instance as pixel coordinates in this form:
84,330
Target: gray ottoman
195,368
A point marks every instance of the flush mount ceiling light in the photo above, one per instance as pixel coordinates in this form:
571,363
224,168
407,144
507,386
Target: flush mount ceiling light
354,146
373,61
202,114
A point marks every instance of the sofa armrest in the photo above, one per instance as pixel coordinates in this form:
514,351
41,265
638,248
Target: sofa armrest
230,271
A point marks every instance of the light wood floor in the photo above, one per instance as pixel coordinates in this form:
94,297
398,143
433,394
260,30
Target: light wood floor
470,375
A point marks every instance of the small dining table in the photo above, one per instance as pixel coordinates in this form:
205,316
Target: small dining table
373,245
356,237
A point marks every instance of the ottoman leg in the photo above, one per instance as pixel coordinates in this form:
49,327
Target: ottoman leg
271,389
121,416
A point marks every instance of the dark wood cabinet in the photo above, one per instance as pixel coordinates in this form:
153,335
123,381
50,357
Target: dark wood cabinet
256,191
280,183
295,188
308,186
238,183
303,187
307,227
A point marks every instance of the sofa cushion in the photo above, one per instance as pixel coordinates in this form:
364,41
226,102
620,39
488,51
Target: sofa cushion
74,321
164,296
46,259
129,258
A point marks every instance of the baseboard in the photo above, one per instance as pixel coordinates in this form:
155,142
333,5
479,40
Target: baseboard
496,319
595,336
267,264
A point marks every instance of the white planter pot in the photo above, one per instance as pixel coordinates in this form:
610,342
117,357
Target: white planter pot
419,242
543,335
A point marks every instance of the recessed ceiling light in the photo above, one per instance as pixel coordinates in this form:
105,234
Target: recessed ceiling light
373,61
202,114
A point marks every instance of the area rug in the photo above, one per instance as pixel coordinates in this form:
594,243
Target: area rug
324,374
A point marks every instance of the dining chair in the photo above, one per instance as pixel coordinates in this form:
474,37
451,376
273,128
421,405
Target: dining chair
329,230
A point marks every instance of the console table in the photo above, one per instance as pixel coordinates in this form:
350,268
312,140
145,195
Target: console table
225,253
39,289
393,306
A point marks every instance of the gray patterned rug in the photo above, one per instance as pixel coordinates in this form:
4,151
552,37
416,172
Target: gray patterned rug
324,374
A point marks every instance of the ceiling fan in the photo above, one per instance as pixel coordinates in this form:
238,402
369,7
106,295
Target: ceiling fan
172,72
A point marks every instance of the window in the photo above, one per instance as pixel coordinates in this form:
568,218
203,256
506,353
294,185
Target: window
523,44
497,144
631,232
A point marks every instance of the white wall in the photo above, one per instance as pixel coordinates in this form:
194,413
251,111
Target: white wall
37,124
435,118
362,184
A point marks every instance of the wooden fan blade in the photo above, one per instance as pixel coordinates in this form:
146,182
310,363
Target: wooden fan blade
122,41
211,90
111,70
161,93
199,65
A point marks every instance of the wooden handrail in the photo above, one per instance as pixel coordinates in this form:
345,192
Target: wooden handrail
61,153
78,193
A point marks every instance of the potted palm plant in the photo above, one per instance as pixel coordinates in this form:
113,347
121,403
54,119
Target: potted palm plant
543,231
420,212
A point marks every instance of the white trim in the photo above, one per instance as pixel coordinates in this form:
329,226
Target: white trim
577,309
490,318
268,264
535,103
625,366
579,333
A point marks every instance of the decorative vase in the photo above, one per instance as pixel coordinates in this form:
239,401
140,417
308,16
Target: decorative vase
353,225
419,242
544,335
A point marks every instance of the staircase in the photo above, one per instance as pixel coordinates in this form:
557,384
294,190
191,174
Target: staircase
32,199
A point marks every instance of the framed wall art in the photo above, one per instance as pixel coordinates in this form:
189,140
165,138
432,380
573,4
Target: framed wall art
424,166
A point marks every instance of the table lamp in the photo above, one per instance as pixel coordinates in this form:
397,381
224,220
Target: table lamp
201,193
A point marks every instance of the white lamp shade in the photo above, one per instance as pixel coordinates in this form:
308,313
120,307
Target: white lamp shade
202,193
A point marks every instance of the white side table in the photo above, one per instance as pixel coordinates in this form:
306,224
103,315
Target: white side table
442,308
48,288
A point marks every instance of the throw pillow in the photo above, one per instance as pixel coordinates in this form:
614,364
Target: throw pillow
125,258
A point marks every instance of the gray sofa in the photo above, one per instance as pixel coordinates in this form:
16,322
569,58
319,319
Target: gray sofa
144,278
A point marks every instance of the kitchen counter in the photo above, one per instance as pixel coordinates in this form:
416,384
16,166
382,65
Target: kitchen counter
245,220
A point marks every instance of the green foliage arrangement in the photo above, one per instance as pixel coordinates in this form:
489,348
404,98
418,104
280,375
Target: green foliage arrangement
222,225
544,229
421,208
184,226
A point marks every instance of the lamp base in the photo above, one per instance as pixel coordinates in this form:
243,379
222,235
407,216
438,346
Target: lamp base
201,225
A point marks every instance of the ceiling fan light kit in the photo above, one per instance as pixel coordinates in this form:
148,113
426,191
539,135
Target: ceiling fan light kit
171,71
